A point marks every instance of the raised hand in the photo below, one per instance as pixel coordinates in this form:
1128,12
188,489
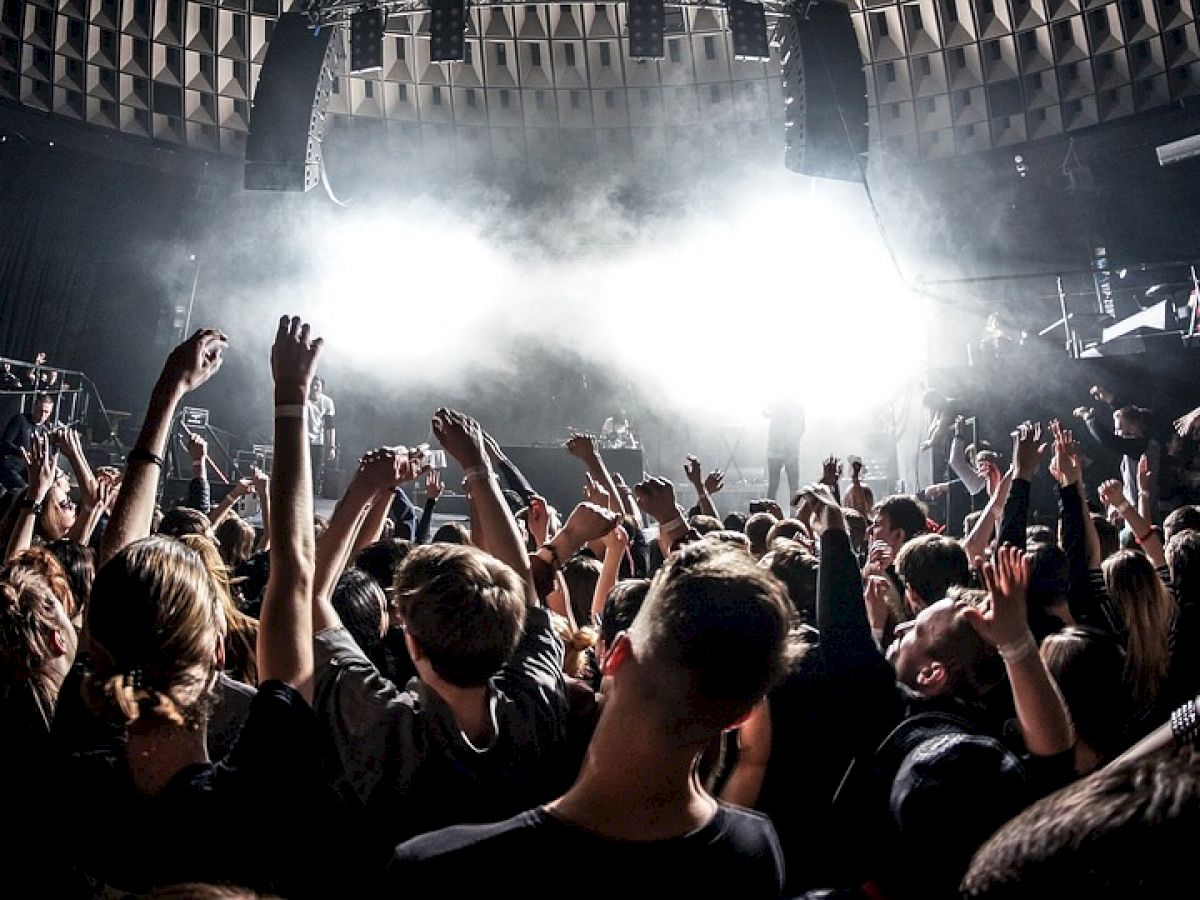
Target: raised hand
1112,493
262,482
461,437
714,481
593,492
691,469
197,448
656,496
433,485
856,468
589,522
382,469
1084,412
875,597
1103,394
41,466
1028,450
1002,622
1145,478
195,360
831,471
538,519
616,541
243,487
1064,465
582,447
1186,424
294,359
820,510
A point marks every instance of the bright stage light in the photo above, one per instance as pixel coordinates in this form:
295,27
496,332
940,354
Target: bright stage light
783,281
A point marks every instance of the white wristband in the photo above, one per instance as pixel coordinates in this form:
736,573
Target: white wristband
1018,649
676,524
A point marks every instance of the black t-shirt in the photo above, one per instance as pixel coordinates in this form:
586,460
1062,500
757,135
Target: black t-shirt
251,819
536,855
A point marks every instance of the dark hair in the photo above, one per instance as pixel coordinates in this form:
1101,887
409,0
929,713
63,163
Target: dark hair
381,559
581,574
361,605
711,639
758,526
1182,519
464,608
905,513
704,524
452,533
621,607
1040,534
1123,831
1049,576
1183,558
79,565
972,664
797,569
1089,668
930,564
735,521
785,529
184,520
235,539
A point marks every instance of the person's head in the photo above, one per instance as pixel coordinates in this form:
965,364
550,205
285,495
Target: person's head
58,511
928,565
704,524
1089,668
985,460
1049,581
317,387
735,521
184,520
42,409
235,538
620,608
1183,559
37,640
735,539
236,624
1147,609
711,638
157,628
381,559
581,574
1039,534
898,519
1123,831
362,607
1109,535
797,569
758,529
785,530
79,565
452,533
1131,421
41,562
940,653
1182,519
463,612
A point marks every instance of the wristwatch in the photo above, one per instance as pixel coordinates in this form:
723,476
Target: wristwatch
27,502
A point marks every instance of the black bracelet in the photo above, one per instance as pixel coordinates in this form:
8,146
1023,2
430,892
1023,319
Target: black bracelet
27,502
1185,724
556,561
140,454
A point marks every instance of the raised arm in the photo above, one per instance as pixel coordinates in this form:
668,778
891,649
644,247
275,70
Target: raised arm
262,490
285,650
1028,453
972,480
831,474
41,464
1041,713
199,494
433,490
584,448
372,483
981,535
462,438
616,544
657,497
240,489
67,441
696,478
190,365
513,477
1112,492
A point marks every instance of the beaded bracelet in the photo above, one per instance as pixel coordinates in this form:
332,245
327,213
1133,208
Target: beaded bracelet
1185,724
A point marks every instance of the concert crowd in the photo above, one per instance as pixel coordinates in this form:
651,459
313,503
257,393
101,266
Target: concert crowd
645,695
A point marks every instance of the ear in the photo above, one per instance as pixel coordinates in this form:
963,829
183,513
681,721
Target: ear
57,642
414,649
931,678
617,656
913,600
